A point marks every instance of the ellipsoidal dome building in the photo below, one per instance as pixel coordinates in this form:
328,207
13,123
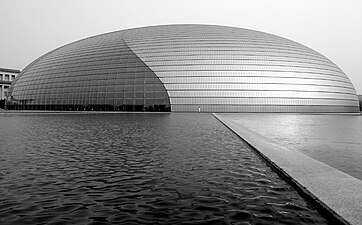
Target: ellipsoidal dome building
186,68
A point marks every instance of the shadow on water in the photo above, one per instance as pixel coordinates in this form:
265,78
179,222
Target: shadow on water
137,169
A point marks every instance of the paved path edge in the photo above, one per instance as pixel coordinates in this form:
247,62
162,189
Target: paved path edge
333,192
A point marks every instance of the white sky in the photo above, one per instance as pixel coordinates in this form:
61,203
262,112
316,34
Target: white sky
31,28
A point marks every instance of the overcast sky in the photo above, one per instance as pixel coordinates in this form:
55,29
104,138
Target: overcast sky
31,28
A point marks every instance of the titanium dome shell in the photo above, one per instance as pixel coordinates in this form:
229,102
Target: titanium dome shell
185,68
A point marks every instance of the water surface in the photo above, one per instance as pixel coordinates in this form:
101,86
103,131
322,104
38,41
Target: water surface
137,169
335,140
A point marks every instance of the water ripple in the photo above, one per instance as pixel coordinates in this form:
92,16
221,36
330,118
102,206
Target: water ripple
137,169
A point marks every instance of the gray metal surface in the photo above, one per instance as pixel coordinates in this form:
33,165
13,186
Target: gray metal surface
202,67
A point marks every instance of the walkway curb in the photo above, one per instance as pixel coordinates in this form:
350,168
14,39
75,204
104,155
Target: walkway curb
336,193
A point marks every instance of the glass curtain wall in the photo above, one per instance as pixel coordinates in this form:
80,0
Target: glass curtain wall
185,68
99,73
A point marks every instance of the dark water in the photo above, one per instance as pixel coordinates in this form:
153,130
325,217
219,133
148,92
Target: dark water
335,140
137,169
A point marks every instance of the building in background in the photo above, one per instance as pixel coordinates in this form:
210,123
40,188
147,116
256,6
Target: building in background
7,76
185,68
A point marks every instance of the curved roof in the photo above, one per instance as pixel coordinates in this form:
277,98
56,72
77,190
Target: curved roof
202,67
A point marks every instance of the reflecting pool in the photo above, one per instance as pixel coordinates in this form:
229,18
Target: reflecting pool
335,140
137,169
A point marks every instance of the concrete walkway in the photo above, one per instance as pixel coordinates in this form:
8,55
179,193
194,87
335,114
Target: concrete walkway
338,193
